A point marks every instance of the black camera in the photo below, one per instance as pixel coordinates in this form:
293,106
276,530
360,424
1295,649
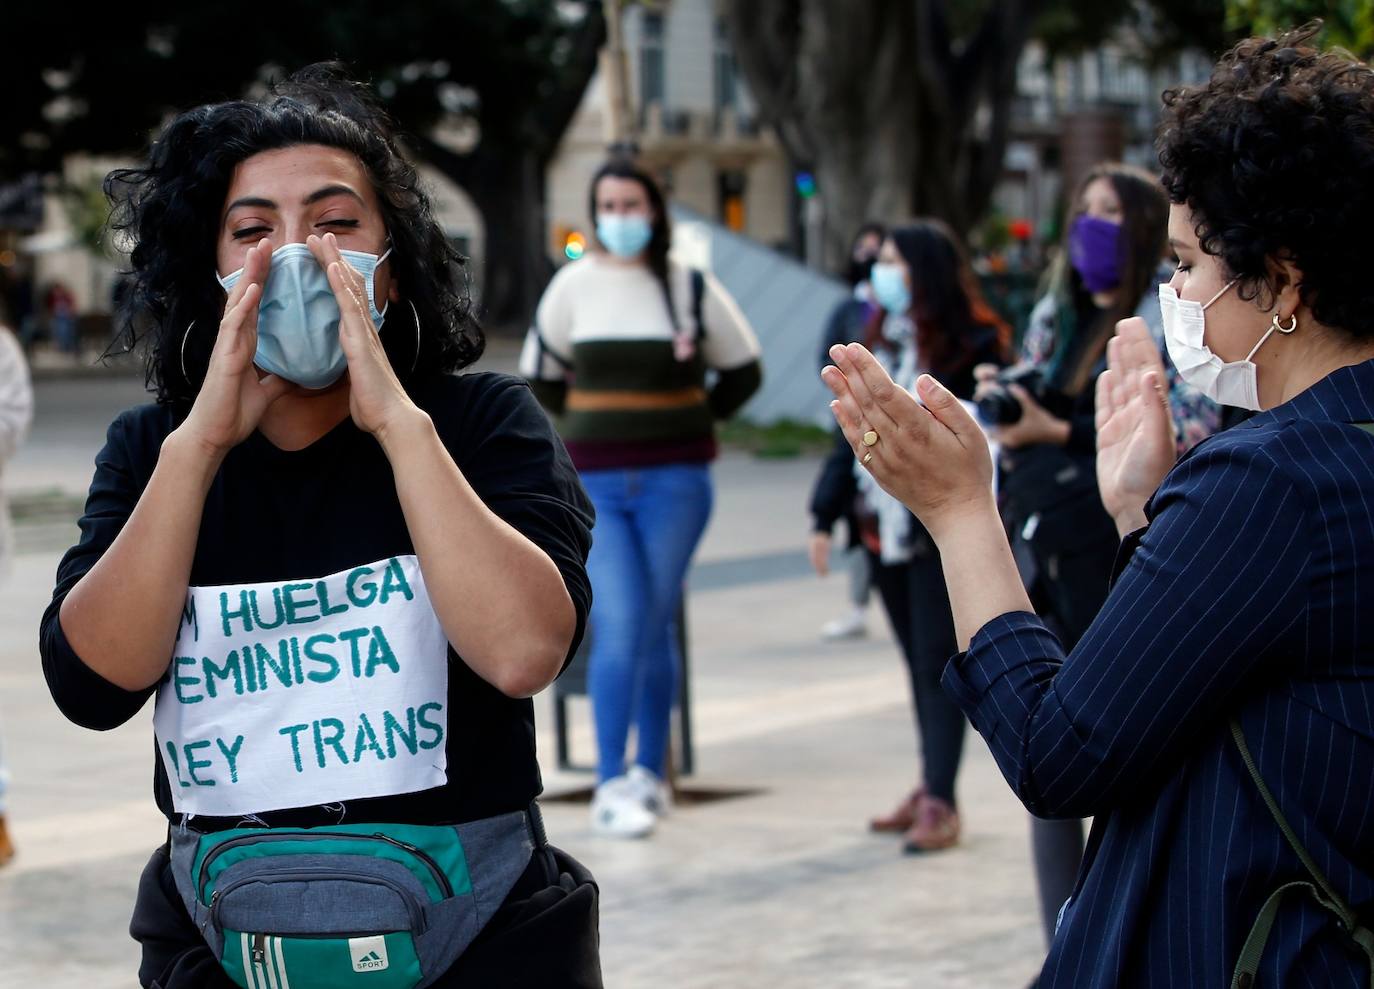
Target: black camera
999,407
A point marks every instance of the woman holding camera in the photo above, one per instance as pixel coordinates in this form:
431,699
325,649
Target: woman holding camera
1217,718
1064,541
933,320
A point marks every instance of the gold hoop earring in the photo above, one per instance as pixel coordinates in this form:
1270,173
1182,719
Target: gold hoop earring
1292,324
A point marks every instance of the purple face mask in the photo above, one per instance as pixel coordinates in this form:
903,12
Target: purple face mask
1094,252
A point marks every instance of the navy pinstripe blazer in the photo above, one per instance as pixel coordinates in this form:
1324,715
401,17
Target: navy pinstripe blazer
1250,594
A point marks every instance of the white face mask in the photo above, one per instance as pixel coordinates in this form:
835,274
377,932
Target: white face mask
1226,382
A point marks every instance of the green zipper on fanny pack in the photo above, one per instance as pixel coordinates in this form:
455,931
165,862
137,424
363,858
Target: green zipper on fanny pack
440,880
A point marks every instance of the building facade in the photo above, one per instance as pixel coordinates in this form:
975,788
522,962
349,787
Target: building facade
694,124
1072,112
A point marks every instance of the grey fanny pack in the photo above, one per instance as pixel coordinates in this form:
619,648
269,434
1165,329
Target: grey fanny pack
386,906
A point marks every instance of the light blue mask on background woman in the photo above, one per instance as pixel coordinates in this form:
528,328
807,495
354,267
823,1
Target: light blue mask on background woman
298,317
890,289
624,234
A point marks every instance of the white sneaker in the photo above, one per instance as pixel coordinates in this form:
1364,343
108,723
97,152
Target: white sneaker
618,812
852,626
654,793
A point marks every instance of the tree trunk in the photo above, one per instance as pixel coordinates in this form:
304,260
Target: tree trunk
507,187
505,179
894,116
834,80
515,265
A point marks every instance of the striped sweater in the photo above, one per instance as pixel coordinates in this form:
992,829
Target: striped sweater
625,375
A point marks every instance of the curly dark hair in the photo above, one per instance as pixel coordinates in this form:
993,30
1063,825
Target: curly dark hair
171,210
1274,157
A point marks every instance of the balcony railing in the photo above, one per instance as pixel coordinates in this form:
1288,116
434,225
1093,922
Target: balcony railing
727,123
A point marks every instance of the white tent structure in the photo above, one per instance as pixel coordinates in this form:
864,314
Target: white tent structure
788,304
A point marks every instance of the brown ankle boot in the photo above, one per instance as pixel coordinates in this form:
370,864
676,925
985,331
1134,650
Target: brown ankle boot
902,817
6,845
936,827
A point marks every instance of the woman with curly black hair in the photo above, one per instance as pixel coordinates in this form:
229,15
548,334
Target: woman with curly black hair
1217,718
1110,268
341,570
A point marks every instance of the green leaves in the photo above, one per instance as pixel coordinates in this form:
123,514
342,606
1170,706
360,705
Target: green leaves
1347,24
105,84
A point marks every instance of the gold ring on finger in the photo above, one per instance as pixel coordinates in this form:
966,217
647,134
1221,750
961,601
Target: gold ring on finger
867,457
871,438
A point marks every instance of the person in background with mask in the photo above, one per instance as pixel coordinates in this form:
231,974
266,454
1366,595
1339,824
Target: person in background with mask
1216,719
619,352
342,569
832,498
933,319
1110,269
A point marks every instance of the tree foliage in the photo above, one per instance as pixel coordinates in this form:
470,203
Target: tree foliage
509,72
1348,24
903,108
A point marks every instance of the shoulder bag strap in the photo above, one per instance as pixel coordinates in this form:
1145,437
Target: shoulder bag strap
698,296
1320,889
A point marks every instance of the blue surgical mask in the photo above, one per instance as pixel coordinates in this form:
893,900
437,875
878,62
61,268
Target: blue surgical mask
890,288
624,234
298,317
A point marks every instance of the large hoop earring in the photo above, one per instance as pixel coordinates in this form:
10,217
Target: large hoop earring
184,337
1285,330
416,359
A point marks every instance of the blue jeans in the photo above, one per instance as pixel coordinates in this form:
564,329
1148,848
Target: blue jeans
648,523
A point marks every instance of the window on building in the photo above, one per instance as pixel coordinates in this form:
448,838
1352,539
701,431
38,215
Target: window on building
731,185
726,70
1122,78
651,74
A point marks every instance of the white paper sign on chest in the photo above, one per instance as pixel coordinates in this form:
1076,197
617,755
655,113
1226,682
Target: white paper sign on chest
305,692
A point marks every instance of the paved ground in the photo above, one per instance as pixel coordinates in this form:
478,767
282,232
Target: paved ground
783,887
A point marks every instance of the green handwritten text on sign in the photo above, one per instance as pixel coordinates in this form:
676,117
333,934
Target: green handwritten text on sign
305,692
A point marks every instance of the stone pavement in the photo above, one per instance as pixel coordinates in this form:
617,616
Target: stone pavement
783,887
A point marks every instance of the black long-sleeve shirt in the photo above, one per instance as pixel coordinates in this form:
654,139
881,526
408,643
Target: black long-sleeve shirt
288,519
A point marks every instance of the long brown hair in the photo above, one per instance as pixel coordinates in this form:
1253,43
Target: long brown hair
1144,230
946,304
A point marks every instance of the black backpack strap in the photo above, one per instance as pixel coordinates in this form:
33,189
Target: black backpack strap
1320,888
545,349
698,289
698,300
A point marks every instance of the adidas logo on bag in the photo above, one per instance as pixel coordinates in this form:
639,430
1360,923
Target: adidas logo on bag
369,953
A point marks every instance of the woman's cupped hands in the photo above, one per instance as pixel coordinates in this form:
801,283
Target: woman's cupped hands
924,449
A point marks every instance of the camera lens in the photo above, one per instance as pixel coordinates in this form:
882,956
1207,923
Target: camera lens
999,408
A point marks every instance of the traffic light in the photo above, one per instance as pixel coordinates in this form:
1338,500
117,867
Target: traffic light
572,242
574,245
